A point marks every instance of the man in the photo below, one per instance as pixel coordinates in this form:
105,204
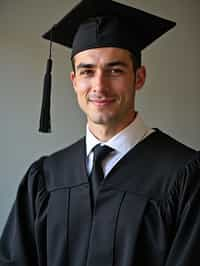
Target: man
125,194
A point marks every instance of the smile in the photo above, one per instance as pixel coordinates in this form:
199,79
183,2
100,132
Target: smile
101,101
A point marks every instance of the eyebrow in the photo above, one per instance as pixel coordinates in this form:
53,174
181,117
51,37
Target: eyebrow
83,65
109,64
117,63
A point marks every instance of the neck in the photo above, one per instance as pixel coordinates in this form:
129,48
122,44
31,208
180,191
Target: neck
105,132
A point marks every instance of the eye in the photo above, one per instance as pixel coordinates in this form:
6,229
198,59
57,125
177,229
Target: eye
86,72
116,71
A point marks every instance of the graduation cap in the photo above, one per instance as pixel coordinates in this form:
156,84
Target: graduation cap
101,23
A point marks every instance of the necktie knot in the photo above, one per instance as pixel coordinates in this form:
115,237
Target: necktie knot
100,152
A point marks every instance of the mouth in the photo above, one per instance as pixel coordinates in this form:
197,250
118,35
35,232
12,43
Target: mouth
101,102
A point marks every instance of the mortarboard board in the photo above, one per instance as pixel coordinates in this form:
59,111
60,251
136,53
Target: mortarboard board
105,23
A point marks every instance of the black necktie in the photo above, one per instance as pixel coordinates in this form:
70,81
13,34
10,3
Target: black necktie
97,176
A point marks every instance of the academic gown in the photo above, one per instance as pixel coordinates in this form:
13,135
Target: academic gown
147,212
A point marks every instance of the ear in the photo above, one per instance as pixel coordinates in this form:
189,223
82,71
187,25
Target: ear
73,79
140,77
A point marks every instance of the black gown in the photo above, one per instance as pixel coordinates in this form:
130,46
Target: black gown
147,212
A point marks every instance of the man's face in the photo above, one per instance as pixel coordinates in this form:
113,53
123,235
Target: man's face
105,83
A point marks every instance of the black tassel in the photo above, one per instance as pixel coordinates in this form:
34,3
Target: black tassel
45,116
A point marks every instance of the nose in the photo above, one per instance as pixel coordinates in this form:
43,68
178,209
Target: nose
100,82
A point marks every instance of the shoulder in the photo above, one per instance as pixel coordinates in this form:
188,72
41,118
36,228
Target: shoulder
175,158
50,170
167,154
180,166
160,161
60,168
170,177
66,155
169,150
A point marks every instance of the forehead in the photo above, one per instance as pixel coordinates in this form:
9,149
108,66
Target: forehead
103,55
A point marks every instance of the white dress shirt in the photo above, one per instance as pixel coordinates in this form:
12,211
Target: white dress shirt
121,143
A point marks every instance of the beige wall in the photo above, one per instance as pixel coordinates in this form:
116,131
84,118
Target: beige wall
169,100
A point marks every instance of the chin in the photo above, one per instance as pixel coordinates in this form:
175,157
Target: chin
101,119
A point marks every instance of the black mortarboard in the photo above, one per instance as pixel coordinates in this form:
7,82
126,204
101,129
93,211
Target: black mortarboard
101,23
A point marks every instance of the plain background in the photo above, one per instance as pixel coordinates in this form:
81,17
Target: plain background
169,99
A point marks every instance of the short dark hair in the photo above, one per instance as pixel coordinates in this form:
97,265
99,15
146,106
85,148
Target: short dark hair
136,59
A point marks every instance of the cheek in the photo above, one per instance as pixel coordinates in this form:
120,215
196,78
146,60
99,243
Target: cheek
82,91
83,86
126,95
124,88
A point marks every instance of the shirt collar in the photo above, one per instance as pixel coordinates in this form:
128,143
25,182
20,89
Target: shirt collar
124,140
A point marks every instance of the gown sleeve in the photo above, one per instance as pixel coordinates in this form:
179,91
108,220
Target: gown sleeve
185,246
18,246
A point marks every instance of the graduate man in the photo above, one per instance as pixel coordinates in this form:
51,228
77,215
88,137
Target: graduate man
124,195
